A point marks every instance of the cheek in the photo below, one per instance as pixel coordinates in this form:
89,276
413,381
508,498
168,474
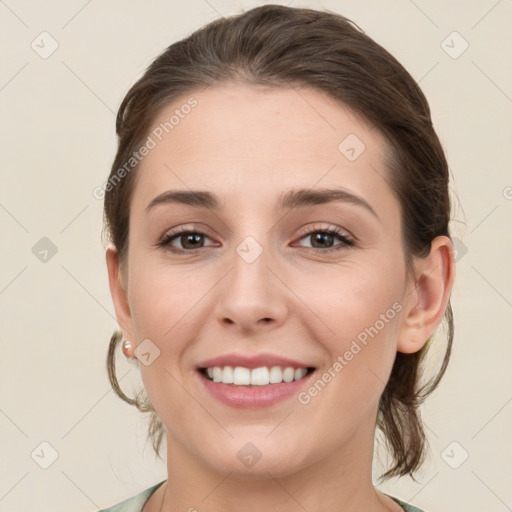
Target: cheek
351,297
359,307
162,300
363,311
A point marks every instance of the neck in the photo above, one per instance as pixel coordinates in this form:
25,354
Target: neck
340,481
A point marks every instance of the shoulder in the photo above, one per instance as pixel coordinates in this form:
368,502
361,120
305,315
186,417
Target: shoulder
406,506
135,503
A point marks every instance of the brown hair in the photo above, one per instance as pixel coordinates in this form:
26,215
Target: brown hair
285,47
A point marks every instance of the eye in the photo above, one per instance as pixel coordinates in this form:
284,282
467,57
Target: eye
320,237
189,239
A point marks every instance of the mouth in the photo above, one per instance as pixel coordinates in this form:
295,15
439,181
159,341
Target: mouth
262,376
240,387
243,380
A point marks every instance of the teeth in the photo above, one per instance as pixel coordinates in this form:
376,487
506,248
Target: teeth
299,373
227,375
241,376
288,374
217,374
262,376
276,375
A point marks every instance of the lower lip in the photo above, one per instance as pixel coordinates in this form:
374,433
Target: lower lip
245,397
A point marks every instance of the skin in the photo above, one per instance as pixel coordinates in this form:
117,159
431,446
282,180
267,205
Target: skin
248,145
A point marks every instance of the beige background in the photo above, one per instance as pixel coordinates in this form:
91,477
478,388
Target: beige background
58,142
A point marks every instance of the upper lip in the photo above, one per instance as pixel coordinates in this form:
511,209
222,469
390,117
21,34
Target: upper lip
255,361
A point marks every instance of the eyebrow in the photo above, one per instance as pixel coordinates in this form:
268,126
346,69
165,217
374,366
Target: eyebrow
291,199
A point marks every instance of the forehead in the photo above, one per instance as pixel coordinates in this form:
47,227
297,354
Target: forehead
243,140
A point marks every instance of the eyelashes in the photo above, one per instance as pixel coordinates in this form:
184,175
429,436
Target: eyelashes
193,235
333,232
170,237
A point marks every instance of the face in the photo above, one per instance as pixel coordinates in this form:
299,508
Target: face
271,277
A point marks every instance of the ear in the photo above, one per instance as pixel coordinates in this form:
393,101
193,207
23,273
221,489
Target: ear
119,294
428,295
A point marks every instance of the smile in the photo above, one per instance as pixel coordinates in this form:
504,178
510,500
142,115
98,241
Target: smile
243,388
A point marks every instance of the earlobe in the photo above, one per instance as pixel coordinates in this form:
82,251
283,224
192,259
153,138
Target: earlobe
426,302
118,292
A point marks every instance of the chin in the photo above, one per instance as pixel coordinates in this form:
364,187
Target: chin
255,460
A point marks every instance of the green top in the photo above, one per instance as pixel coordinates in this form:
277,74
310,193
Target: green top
136,503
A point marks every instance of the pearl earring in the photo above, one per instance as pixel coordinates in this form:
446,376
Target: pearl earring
127,349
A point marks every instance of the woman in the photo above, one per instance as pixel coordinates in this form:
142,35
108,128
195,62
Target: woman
280,260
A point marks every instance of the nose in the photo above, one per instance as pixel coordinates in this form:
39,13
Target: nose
252,296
